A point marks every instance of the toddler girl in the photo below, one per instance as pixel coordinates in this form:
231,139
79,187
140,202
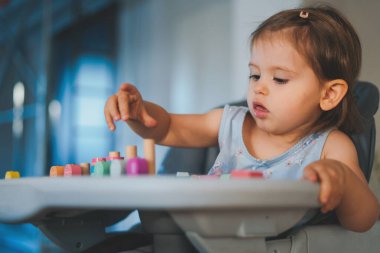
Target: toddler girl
303,66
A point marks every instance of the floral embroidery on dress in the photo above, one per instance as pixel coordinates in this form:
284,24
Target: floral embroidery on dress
295,159
233,153
215,171
239,151
216,168
238,155
311,140
267,173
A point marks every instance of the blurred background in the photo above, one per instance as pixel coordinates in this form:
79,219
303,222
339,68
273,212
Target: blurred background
61,59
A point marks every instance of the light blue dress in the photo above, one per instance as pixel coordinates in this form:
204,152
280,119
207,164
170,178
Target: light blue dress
234,154
289,165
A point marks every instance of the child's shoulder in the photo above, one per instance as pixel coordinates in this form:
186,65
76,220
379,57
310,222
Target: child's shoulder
338,142
336,135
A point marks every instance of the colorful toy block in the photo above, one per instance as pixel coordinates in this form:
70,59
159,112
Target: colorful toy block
93,163
246,173
72,170
114,164
57,171
12,174
225,176
102,169
117,167
182,174
135,165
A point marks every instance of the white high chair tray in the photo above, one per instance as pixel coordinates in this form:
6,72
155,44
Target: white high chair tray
203,207
21,200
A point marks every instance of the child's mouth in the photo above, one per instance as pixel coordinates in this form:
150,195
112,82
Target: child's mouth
259,110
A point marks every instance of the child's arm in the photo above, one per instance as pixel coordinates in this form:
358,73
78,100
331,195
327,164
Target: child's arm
343,186
152,121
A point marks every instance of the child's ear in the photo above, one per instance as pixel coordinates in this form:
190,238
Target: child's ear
332,93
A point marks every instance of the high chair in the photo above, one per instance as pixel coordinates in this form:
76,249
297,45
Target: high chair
323,233
180,215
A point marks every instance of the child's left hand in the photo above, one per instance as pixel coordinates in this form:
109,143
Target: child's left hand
332,177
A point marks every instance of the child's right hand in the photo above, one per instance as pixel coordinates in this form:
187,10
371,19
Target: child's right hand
127,104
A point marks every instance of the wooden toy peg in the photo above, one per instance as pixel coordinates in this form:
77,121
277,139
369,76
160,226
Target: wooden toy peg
149,155
131,152
114,154
85,168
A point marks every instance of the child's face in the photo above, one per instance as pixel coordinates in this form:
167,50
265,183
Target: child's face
284,92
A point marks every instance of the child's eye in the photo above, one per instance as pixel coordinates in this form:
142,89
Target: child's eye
254,77
280,80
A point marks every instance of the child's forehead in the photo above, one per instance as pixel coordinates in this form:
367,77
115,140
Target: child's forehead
274,43
281,37
277,48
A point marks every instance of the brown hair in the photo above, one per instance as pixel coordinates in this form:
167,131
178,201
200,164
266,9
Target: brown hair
332,48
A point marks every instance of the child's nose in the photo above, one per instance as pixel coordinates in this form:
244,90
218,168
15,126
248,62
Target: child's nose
260,87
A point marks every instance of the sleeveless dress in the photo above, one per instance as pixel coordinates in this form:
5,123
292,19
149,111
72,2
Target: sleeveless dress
288,165
234,154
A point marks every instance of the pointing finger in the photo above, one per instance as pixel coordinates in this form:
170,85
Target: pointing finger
123,102
112,107
111,112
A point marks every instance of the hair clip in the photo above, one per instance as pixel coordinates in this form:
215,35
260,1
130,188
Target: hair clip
304,14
